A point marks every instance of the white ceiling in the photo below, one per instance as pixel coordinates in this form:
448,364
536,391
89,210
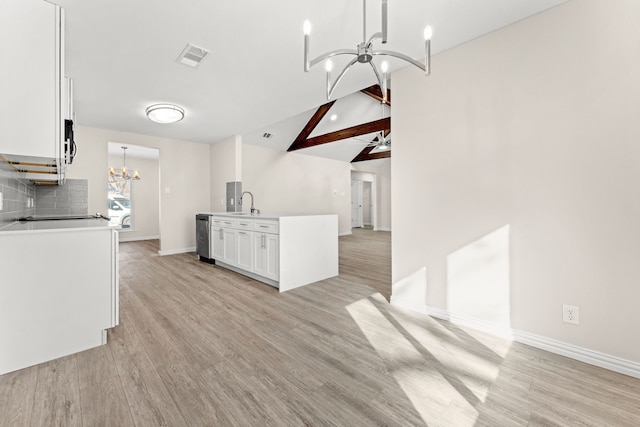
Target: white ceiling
121,55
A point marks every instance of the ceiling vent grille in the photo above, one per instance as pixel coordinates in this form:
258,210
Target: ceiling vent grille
192,55
267,135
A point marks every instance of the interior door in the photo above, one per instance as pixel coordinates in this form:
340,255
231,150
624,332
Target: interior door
356,203
367,204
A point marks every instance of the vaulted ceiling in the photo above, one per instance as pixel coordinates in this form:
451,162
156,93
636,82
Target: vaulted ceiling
343,129
121,54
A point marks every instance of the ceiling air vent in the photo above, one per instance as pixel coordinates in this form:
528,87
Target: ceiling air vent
267,135
192,55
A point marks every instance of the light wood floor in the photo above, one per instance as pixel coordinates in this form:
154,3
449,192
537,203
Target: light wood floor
198,345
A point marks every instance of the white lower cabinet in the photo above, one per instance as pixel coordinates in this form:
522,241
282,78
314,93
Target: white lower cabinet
245,250
49,311
247,244
224,241
266,251
217,242
230,246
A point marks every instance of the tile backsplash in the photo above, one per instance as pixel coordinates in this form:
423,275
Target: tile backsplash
72,198
18,198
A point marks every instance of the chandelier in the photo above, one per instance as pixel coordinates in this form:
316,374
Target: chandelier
364,53
123,174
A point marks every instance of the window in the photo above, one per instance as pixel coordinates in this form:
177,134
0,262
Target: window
120,210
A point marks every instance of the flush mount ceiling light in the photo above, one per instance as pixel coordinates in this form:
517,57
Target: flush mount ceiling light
165,113
364,53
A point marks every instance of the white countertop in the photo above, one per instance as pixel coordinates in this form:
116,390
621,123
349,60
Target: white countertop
58,225
247,215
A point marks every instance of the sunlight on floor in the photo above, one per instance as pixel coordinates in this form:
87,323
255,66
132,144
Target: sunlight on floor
442,378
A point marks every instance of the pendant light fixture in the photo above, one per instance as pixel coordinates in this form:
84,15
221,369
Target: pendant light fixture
123,174
165,113
364,53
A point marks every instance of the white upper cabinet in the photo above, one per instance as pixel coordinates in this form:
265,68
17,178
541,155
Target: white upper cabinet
31,82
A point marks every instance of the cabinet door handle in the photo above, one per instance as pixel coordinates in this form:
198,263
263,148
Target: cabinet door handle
241,232
221,234
263,243
264,226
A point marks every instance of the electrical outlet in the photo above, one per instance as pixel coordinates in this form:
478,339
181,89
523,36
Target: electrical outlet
571,314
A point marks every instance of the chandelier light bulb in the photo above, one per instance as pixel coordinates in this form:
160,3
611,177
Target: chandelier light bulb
428,32
306,27
384,67
328,66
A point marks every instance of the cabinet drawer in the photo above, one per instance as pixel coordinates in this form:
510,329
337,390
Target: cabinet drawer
225,222
244,224
266,226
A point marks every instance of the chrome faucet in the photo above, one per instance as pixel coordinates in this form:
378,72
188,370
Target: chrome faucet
253,210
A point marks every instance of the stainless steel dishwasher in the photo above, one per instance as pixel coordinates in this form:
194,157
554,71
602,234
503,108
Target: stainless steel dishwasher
203,231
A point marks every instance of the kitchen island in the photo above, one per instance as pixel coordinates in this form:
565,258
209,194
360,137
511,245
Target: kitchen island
282,250
59,289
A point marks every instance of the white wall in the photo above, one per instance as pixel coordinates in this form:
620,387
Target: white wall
226,166
533,128
296,183
145,198
184,172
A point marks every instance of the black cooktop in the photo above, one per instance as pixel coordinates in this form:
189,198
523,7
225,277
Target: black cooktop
61,217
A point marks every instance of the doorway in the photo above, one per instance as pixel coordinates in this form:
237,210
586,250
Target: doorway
357,213
134,204
367,204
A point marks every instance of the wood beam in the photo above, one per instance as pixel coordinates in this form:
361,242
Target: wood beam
365,154
363,129
379,155
311,124
376,93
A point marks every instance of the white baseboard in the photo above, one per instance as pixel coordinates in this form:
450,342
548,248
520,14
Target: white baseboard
592,357
177,251
346,233
124,238
382,229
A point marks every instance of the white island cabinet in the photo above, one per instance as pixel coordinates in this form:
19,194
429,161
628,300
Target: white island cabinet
59,289
284,251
